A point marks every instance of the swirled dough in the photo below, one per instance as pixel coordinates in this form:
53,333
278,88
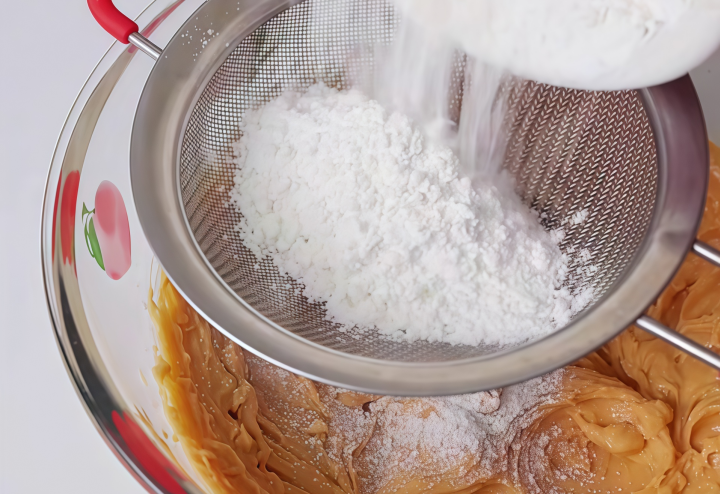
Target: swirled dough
690,305
248,426
635,417
600,436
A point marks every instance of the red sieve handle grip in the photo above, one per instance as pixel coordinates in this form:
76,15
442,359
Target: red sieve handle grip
112,20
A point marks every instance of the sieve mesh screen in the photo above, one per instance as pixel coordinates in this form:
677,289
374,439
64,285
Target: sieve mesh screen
570,151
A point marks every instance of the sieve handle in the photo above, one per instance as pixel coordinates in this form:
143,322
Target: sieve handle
679,341
121,27
112,20
704,251
676,339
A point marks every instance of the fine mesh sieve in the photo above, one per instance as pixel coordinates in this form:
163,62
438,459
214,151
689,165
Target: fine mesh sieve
633,162
569,151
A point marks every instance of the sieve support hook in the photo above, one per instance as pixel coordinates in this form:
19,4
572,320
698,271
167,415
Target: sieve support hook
706,252
679,341
121,27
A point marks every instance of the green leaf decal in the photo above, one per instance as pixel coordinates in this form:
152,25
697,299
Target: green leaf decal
85,212
91,241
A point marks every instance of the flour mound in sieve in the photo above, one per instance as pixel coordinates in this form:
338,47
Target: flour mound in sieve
376,222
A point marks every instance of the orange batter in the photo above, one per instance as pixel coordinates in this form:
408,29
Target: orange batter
691,305
636,417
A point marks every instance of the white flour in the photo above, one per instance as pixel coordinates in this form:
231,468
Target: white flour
375,221
469,435
587,44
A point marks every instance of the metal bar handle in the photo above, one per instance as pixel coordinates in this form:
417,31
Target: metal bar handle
704,251
121,27
676,339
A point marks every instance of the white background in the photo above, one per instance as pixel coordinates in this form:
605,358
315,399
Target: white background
47,443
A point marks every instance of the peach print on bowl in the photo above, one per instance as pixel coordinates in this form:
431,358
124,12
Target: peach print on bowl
107,231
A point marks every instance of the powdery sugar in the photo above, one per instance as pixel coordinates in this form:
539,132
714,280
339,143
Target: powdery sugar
469,435
376,222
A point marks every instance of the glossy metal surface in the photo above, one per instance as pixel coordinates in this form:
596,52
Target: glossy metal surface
172,91
145,45
707,252
676,339
679,341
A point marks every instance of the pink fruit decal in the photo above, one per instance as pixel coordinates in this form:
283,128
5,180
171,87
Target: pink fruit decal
67,216
107,231
163,471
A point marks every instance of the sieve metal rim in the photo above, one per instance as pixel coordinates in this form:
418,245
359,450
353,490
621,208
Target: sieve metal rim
175,84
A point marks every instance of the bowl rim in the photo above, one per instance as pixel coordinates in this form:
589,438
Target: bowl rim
104,404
